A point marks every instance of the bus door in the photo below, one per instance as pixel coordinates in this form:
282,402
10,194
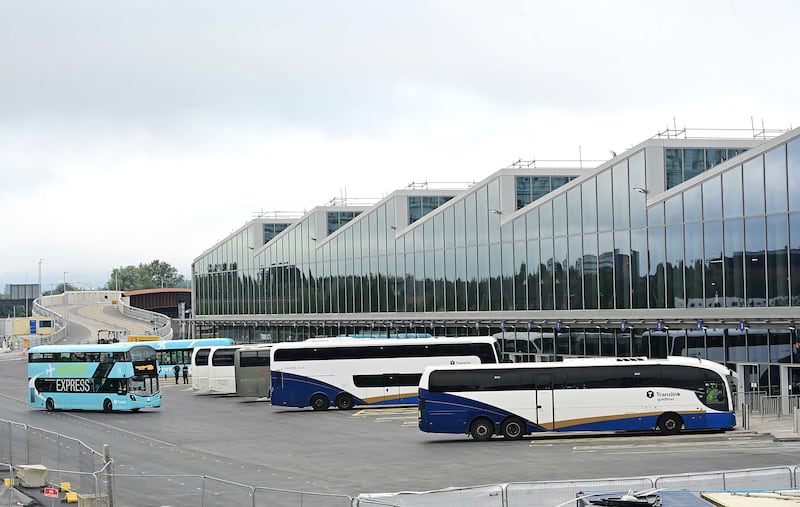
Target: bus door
545,409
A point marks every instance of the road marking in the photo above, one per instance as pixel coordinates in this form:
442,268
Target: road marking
117,428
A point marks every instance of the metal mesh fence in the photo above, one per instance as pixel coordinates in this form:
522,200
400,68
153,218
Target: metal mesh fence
273,497
557,492
479,496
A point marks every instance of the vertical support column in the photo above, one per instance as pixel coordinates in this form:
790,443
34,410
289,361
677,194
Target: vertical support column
107,474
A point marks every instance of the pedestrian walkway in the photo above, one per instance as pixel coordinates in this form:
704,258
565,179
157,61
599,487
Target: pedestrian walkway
782,429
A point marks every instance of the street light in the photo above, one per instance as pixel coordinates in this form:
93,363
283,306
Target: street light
66,306
40,281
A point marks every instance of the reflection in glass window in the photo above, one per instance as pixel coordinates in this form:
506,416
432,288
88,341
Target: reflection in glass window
753,174
673,165
775,180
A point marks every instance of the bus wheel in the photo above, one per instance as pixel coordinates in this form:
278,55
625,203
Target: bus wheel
481,429
49,405
344,402
106,405
513,428
670,424
320,402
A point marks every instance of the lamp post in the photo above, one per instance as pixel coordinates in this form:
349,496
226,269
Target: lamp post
40,281
66,306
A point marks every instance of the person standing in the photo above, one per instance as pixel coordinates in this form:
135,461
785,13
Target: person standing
177,370
185,374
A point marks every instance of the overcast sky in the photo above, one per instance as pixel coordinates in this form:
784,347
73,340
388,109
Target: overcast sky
140,130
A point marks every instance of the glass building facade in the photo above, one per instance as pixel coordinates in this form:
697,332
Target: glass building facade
677,246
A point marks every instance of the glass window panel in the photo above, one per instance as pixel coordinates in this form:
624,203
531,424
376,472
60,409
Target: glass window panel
534,275
712,199
712,239
755,262
657,262
694,162
715,156
589,264
523,190
547,272
636,171
574,210
775,186
777,260
470,218
532,223
655,214
575,272
540,186
639,268
560,273
459,223
589,208
438,231
461,279
753,176
693,248
482,210
621,196
734,262
674,210
519,229
732,194
484,276
520,274
692,201
606,269
676,297
622,269
560,215
507,277
493,202
673,165
794,259
605,218
473,277
793,167
546,219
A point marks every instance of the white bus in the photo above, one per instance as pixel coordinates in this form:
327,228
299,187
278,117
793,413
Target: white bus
200,369
597,394
221,371
352,371
251,364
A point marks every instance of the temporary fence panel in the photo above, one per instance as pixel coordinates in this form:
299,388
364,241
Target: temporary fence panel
758,479
526,494
274,497
479,496
173,489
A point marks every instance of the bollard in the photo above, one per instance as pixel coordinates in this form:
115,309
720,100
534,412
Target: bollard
796,421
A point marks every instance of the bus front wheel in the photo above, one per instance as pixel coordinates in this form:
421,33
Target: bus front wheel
320,402
513,428
107,405
344,402
481,429
670,424
49,405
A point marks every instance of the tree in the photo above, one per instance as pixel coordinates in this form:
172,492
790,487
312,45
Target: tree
156,274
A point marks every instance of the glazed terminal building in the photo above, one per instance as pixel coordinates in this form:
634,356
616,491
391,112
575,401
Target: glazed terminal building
684,244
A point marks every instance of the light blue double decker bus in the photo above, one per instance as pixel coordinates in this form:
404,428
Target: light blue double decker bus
172,352
117,376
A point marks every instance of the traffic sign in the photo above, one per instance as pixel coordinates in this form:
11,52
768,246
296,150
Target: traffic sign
623,325
742,325
51,492
659,325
